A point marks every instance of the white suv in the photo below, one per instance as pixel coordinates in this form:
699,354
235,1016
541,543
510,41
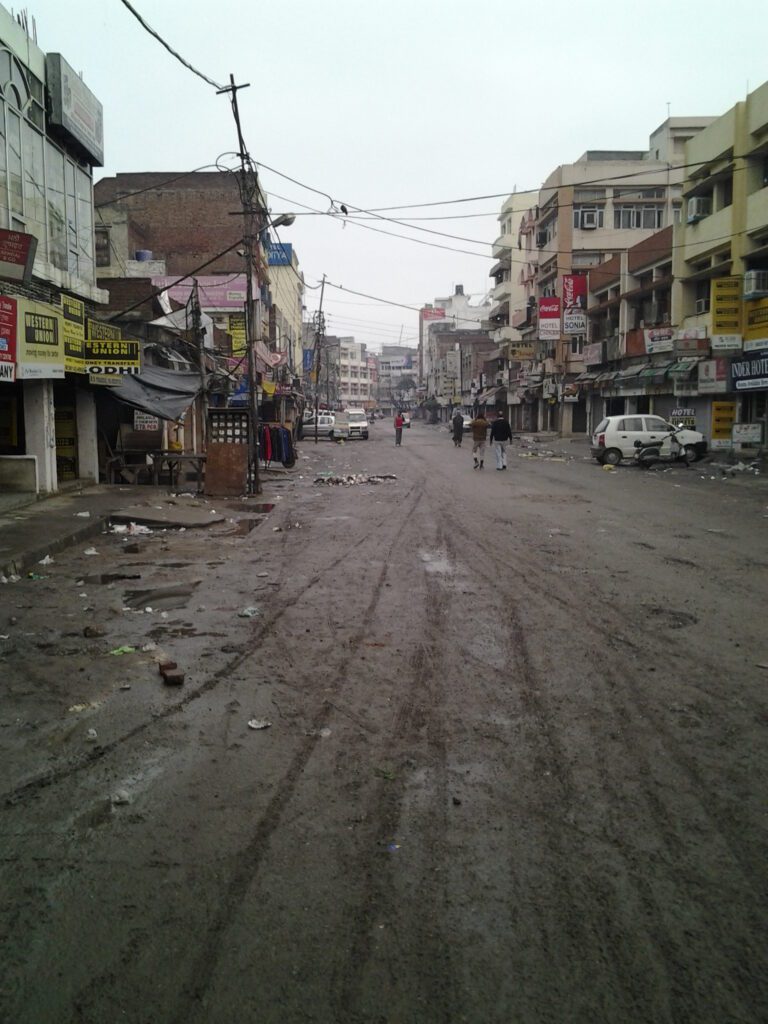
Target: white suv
357,420
614,437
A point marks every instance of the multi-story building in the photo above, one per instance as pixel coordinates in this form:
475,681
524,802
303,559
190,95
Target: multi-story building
603,204
397,377
286,294
721,262
508,295
355,386
50,143
456,312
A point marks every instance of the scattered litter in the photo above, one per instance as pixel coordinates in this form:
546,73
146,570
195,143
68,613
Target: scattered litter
325,732
4,636
92,735
163,615
277,529
374,643
12,578
94,631
151,646
36,576
90,551
456,802
125,686
393,847
118,651
261,575
137,529
608,468
119,528
249,613
46,561
259,723
83,515
715,531
352,479
762,664
121,796
384,773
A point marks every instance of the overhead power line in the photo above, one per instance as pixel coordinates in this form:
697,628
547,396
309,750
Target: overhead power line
168,47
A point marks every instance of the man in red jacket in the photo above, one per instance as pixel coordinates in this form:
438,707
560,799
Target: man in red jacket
399,421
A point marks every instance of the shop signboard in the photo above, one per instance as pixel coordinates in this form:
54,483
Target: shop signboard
659,339
726,342
684,416
725,304
236,330
73,331
8,322
574,304
713,376
723,415
747,433
593,354
40,354
549,318
750,373
756,345
755,319
431,313
145,421
279,254
107,355
216,291
17,255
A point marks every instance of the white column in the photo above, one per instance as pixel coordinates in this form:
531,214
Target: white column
40,431
87,435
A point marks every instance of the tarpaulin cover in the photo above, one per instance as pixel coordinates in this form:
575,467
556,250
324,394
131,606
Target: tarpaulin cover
160,392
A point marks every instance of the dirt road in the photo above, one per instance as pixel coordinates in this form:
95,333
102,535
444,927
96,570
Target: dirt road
515,770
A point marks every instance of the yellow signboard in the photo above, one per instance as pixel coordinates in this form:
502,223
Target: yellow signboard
236,330
73,330
725,302
40,351
723,416
755,319
107,354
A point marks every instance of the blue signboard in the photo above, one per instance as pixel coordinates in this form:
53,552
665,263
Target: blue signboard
309,360
279,254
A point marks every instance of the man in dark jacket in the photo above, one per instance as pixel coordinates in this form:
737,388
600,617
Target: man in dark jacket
458,428
501,435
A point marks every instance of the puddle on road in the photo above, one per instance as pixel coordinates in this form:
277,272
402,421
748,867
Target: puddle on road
111,577
163,598
244,526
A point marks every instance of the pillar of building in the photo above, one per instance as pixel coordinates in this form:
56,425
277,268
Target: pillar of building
87,438
40,431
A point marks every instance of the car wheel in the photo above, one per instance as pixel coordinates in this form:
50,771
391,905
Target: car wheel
691,455
612,457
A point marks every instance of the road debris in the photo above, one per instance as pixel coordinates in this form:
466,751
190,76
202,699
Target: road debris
90,551
120,796
259,723
125,649
353,479
46,561
249,613
92,735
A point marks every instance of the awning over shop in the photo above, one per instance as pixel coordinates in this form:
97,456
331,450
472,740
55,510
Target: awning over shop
607,377
585,378
488,395
682,369
655,374
630,376
160,392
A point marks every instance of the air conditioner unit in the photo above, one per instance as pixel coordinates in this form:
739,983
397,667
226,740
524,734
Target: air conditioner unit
702,306
699,207
755,284
589,220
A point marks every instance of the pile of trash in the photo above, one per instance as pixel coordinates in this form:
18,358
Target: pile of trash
354,478
739,467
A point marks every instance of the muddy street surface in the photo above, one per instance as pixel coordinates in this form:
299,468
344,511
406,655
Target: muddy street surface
505,761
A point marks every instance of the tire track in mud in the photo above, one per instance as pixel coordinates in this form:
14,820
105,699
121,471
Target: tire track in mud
25,790
247,863
419,720
671,951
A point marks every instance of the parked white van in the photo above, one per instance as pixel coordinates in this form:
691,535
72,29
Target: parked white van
614,438
354,422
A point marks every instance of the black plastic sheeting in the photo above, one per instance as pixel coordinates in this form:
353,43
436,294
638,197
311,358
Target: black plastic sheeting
160,392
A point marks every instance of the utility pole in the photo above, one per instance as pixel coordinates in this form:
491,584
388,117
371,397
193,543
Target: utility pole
251,201
200,342
319,335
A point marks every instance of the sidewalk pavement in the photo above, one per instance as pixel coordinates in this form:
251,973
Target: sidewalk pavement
41,528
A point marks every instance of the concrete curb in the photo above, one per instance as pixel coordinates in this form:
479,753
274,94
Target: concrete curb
22,561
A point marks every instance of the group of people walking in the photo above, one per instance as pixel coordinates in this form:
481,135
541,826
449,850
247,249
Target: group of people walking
501,435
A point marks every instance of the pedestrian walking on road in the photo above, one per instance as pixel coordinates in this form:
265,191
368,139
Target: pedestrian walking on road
501,435
458,428
399,421
479,427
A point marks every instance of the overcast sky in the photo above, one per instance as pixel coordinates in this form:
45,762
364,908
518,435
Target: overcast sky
399,102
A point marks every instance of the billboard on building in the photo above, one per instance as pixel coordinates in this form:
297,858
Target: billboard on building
279,254
74,108
756,325
40,353
107,355
713,376
8,326
17,255
574,304
430,313
549,318
750,373
725,305
659,339
73,330
236,329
